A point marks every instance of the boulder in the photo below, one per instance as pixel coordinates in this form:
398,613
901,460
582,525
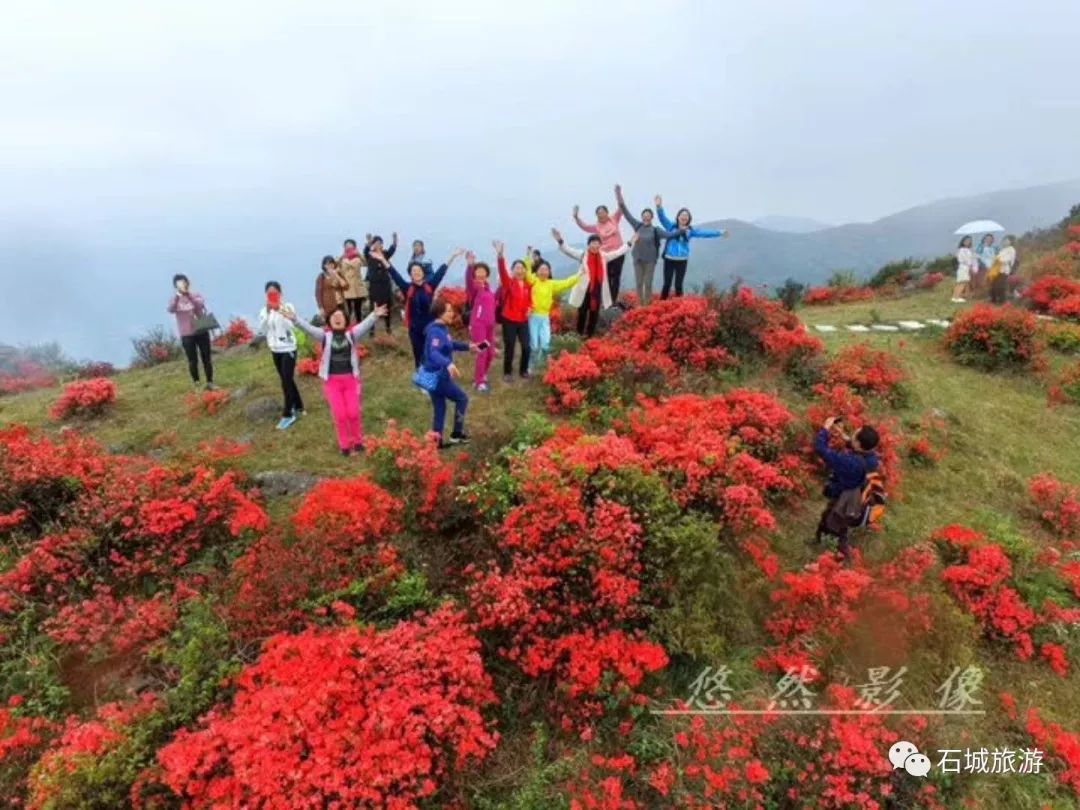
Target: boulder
263,409
284,483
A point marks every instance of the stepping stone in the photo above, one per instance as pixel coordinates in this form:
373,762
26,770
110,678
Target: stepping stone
1046,317
884,327
911,325
937,322
823,327
858,327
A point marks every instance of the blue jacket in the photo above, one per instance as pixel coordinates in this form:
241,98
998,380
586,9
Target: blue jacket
419,300
439,348
847,469
678,247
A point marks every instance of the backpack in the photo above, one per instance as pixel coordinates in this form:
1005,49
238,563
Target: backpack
873,499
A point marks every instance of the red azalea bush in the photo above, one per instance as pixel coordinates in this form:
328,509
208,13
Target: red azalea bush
84,398
237,333
342,531
1062,337
867,371
983,581
825,296
456,297
116,525
991,338
1058,504
1063,747
389,718
840,400
53,781
682,329
929,281
21,375
207,403
1047,290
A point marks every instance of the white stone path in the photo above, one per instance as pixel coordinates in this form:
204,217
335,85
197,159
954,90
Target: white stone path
906,326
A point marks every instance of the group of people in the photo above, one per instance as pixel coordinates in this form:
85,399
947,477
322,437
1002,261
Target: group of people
977,268
355,291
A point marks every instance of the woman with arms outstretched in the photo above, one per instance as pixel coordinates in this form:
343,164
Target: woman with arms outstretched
607,228
647,250
592,293
677,249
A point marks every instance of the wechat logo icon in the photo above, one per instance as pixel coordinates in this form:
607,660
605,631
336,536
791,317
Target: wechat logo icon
905,755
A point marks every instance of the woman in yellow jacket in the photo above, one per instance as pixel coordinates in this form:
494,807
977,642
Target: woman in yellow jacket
544,290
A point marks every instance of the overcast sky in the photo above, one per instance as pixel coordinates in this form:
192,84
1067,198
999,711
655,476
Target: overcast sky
280,125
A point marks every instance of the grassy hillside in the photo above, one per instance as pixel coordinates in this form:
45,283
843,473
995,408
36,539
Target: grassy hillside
998,432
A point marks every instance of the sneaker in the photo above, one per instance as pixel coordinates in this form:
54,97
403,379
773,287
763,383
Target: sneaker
525,375
345,451
358,448
483,388
211,387
286,422
508,378
459,438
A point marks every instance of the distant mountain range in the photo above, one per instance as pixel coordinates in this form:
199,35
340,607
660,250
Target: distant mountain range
790,224
768,255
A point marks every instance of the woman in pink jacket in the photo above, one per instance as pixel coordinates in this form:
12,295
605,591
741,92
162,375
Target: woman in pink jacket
607,228
481,300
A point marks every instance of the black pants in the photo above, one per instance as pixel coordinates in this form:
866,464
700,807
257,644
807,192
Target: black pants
285,363
673,269
614,277
999,289
354,308
386,318
823,529
199,343
587,319
514,332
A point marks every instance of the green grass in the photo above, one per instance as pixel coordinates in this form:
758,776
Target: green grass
152,402
916,306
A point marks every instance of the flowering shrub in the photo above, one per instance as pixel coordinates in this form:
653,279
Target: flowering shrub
681,329
391,717
983,582
826,296
1062,337
929,281
1062,745
237,333
342,533
990,337
22,375
94,368
412,467
840,400
1058,504
1047,290
456,297
868,371
84,398
927,449
207,403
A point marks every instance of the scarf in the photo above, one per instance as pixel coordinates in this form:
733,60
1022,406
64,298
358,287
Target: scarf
596,278
351,253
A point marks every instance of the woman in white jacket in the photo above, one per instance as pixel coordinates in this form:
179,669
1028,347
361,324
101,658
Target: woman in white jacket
275,324
965,269
592,293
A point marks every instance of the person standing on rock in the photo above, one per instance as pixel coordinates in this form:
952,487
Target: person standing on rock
281,340
188,306
339,369
677,249
607,228
647,249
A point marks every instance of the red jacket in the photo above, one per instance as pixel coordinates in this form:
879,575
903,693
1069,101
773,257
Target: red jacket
516,295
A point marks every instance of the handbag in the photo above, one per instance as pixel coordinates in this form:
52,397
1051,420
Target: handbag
425,380
206,323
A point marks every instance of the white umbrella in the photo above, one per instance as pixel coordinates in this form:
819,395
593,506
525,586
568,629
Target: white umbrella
979,226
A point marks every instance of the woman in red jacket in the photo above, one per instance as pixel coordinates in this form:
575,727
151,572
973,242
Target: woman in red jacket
516,293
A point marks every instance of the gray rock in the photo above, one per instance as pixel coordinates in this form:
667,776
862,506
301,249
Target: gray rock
118,449
238,393
283,483
263,409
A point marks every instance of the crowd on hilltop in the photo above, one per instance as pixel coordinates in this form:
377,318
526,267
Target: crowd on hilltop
360,289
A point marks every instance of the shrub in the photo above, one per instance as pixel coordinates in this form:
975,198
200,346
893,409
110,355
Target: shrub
1062,337
896,273
85,399
825,296
928,281
790,293
868,371
1046,290
1067,387
237,333
992,338
94,368
155,347
207,403
20,375
391,717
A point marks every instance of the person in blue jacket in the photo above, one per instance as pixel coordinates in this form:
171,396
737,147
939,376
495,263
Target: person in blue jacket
419,292
848,469
439,348
677,248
